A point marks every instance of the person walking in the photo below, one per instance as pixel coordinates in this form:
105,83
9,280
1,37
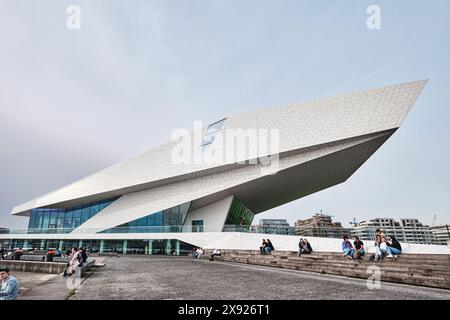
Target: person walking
74,261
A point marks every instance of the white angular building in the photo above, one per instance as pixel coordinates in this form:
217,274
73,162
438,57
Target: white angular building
277,155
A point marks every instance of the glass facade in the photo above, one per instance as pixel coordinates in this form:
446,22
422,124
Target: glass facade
170,220
144,246
238,215
48,220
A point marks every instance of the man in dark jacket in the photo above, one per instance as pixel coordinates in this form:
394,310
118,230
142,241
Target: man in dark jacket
394,248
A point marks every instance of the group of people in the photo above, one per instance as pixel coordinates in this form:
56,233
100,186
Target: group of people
197,252
77,258
15,254
353,251
304,247
4,253
10,254
266,247
384,247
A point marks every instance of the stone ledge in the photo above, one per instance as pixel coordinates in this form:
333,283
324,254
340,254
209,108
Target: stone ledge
33,266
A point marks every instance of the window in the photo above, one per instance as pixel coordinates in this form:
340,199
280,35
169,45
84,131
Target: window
197,225
85,214
211,133
63,220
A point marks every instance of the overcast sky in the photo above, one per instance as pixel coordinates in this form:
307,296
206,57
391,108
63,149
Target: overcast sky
75,101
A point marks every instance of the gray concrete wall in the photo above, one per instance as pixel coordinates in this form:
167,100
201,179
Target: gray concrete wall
33,266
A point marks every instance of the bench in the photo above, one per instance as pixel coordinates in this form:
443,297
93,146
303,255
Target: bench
61,259
26,257
108,254
39,252
80,271
207,255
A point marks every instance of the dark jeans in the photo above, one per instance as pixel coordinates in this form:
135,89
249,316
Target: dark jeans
212,256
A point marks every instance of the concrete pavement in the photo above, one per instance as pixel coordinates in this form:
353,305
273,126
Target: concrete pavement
162,277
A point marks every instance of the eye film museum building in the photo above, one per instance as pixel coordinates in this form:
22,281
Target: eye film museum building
153,204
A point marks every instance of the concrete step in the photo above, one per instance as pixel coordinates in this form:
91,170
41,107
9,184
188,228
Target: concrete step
387,262
425,270
434,257
424,260
385,265
429,257
398,276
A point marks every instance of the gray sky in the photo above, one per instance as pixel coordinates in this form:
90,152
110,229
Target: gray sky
75,101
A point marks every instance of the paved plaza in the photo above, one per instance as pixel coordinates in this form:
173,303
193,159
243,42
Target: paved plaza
161,277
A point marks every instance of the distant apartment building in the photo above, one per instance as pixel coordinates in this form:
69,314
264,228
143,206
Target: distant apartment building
320,225
274,226
405,230
441,235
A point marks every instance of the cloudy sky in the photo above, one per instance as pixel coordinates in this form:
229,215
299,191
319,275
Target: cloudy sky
75,101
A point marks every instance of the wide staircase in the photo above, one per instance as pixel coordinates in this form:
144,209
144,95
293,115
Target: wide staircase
431,270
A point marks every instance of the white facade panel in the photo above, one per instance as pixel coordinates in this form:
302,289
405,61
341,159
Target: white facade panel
213,216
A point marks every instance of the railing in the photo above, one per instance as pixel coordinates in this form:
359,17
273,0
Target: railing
406,235
142,229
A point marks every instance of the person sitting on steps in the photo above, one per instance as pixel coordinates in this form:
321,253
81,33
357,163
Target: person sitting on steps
347,248
216,252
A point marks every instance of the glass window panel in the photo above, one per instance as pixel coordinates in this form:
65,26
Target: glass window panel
214,127
76,222
52,222
46,220
158,218
151,220
53,217
68,220
208,139
60,222
32,221
85,214
40,218
77,213
94,209
197,225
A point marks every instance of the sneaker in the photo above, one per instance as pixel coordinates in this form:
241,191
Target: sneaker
389,256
